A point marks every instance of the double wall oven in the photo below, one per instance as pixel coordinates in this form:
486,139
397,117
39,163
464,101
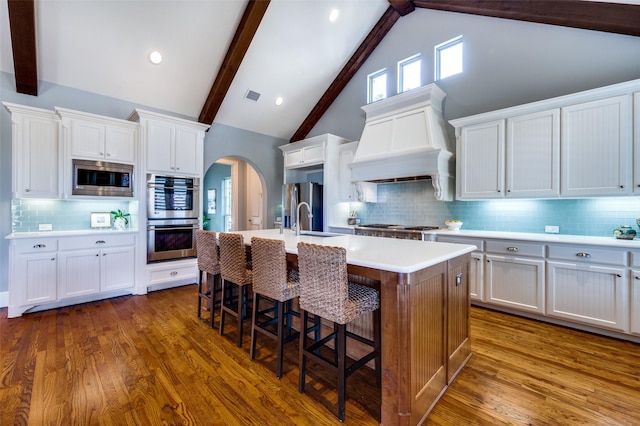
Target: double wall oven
173,209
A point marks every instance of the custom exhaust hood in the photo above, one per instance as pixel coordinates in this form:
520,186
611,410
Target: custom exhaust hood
404,138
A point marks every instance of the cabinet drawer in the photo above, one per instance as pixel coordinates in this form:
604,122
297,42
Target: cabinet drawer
461,240
588,254
96,241
515,248
635,258
35,246
177,273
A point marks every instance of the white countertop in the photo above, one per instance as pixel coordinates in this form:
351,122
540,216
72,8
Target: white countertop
388,254
75,233
544,238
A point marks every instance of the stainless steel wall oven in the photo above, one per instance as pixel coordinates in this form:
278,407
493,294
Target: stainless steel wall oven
171,239
173,197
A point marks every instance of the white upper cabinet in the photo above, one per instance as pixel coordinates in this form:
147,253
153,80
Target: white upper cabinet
303,154
596,147
96,137
35,152
636,143
577,145
171,145
533,155
480,161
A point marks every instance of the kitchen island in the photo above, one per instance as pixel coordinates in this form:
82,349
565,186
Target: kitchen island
424,299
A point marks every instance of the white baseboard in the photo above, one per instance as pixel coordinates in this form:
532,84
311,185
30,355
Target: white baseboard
4,299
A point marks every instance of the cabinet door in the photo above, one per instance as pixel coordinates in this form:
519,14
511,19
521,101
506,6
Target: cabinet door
635,301
636,142
313,154
79,273
458,341
37,174
480,155
596,148
533,155
476,276
588,294
120,144
345,158
515,282
35,278
87,139
186,151
117,268
160,146
293,158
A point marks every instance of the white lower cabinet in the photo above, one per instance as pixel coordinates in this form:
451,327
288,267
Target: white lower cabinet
48,270
33,272
514,274
588,294
476,279
588,285
515,282
635,302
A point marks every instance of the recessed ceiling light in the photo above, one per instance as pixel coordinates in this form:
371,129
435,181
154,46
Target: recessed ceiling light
333,15
155,57
279,101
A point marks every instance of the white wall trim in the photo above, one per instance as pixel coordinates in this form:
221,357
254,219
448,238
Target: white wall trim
4,299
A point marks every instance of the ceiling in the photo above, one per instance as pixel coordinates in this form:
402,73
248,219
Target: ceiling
102,46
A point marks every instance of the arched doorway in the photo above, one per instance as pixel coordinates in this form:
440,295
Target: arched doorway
233,196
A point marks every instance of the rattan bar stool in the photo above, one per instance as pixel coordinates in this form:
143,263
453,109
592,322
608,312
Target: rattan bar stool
274,284
325,291
236,275
209,281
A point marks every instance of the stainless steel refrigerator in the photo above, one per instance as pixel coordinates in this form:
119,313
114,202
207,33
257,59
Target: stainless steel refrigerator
295,193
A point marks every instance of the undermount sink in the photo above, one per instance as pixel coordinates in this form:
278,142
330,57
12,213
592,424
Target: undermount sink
318,234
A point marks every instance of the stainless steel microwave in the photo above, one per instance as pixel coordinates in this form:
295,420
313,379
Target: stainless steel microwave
102,179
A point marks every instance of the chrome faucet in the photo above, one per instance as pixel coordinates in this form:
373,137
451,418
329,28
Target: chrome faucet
298,215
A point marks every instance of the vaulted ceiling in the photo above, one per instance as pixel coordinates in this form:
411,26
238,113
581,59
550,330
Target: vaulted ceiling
215,51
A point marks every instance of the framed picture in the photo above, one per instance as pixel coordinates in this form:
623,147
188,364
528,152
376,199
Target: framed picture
211,200
101,220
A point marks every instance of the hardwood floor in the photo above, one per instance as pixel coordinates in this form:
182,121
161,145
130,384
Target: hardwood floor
143,360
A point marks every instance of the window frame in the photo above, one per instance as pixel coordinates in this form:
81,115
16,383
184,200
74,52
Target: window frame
370,78
405,62
438,49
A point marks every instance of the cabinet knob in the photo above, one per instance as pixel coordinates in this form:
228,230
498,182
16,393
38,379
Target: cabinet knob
100,242
38,246
637,277
108,155
101,154
514,249
28,190
618,275
583,255
173,273
621,186
499,190
53,258
458,279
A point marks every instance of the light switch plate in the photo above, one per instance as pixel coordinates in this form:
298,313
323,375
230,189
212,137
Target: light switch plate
45,227
551,229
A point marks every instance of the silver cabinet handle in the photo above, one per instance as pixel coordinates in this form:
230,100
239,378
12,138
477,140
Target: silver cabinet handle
583,254
458,279
174,273
512,249
101,242
38,246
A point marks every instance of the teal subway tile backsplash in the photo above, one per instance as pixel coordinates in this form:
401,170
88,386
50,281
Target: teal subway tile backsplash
412,203
63,215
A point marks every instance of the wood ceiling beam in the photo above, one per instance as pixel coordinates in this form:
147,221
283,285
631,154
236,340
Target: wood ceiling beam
403,7
598,16
380,29
242,38
22,23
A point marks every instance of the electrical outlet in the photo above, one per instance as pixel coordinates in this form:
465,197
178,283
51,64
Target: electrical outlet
45,227
551,229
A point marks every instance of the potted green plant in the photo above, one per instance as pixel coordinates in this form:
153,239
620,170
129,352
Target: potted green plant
120,219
